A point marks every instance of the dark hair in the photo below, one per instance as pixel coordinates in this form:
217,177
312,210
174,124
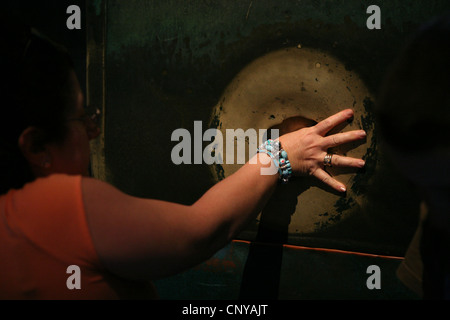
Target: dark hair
35,92
413,109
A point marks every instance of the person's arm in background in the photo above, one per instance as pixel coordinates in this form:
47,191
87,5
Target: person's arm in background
148,239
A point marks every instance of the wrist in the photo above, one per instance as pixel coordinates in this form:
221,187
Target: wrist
279,157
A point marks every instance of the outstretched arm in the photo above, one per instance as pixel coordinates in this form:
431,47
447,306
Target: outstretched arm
147,239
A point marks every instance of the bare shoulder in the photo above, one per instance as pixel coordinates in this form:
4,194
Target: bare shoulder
134,236
93,188
106,208
101,198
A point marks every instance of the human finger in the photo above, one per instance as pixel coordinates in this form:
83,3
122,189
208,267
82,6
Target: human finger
341,161
344,137
329,180
329,123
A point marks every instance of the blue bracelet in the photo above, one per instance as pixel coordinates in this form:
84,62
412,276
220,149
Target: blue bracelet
279,156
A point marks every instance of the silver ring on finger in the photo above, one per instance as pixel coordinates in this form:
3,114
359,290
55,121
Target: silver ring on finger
327,160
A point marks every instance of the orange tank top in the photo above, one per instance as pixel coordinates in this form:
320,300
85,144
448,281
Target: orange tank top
46,250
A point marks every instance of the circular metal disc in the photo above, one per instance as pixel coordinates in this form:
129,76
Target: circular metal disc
287,89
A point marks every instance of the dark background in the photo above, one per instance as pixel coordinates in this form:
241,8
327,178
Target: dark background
166,65
49,17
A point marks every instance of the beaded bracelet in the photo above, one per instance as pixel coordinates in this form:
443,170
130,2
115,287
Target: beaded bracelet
279,156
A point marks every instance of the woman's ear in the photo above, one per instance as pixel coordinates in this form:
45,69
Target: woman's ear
32,146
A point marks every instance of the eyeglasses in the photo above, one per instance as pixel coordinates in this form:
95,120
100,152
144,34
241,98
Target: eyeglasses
90,119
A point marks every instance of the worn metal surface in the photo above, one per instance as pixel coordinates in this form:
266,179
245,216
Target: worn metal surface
283,85
167,64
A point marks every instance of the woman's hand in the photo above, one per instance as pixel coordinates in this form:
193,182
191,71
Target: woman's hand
151,250
307,148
